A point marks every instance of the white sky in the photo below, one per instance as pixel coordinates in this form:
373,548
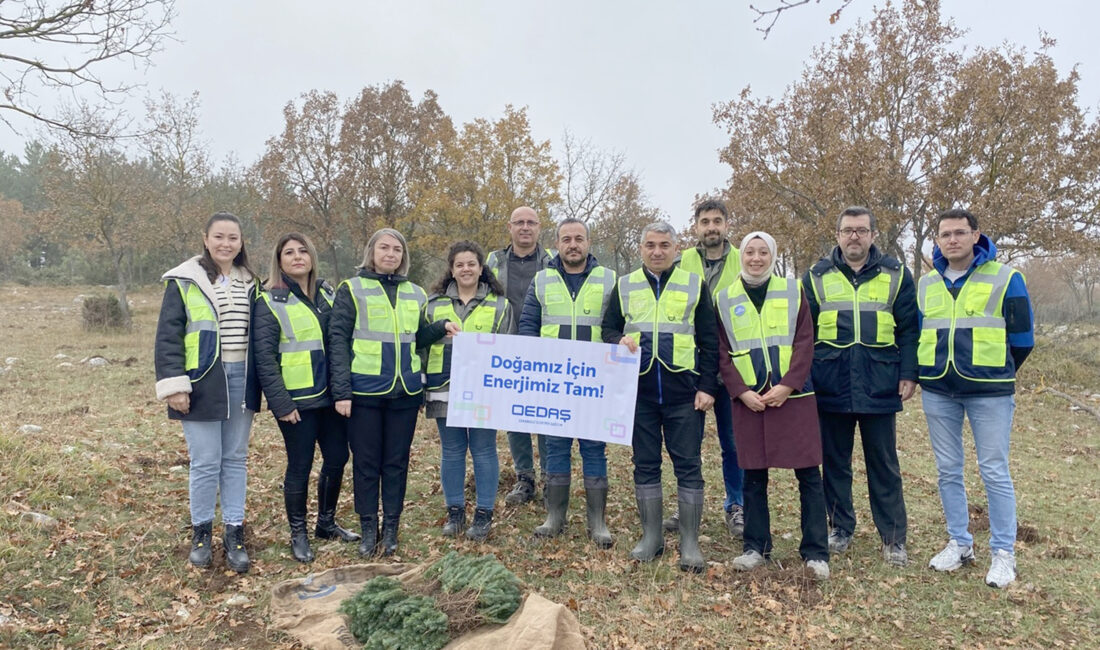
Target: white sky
636,77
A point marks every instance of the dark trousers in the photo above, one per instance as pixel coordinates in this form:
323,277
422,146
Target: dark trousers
324,428
380,439
678,425
758,529
878,433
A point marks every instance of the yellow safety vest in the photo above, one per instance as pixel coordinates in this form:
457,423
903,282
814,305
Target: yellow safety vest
564,317
383,342
669,320
691,260
301,343
201,339
486,317
968,331
839,304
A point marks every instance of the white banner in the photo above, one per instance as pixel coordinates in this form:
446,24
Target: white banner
572,389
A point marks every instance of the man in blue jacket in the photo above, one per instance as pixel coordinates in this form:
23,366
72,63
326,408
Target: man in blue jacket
976,332
864,308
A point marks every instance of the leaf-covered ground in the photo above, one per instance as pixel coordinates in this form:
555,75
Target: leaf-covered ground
112,472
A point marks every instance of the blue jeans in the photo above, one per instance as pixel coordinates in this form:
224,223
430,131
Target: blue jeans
482,444
559,452
732,474
218,452
523,454
991,421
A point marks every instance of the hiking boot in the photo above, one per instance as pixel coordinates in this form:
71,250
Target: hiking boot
328,492
523,491
748,561
650,504
483,521
1002,570
456,521
557,503
952,557
368,545
200,545
595,498
820,569
691,513
235,554
389,535
839,540
895,554
735,521
671,523
296,517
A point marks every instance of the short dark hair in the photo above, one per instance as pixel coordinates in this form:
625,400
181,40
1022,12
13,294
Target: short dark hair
708,205
565,222
466,246
856,211
957,213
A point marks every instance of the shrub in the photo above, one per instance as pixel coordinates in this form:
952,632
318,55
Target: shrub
103,313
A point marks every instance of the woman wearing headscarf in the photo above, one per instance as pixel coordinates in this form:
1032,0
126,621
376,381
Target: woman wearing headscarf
765,353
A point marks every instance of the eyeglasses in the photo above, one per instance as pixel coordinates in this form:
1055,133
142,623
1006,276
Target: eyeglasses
848,232
525,224
953,234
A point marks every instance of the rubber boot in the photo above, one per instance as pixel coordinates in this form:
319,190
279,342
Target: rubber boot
389,534
595,498
296,517
691,513
557,503
456,521
650,502
328,493
200,545
235,554
368,545
483,521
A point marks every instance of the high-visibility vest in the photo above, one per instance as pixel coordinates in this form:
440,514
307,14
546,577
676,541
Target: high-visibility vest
967,331
848,315
691,260
761,342
301,342
201,338
669,320
565,317
384,338
497,261
486,317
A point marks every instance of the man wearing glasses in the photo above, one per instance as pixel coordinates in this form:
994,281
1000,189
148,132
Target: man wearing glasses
976,331
865,365
515,266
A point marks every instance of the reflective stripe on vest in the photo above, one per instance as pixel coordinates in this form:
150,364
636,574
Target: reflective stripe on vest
301,347
968,331
848,315
761,342
564,317
691,261
201,339
383,342
486,317
670,319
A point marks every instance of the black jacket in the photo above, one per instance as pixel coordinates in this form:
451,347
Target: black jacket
341,326
665,387
209,395
265,334
861,379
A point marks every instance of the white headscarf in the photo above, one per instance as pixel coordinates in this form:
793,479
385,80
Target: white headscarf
757,280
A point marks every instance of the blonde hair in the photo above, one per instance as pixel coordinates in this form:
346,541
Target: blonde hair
368,251
275,276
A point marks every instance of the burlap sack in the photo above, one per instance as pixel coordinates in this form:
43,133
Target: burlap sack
309,610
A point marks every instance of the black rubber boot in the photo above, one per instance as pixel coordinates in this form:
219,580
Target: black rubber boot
650,502
296,517
389,534
691,513
200,545
595,497
368,545
456,521
328,493
483,521
235,554
557,503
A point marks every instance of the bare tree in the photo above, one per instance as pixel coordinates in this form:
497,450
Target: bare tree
771,15
50,49
590,176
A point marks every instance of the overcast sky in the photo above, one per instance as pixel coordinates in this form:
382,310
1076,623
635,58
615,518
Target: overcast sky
636,77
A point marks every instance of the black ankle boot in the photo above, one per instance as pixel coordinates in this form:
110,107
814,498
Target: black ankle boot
200,545
368,545
235,554
389,534
328,492
296,516
483,521
456,521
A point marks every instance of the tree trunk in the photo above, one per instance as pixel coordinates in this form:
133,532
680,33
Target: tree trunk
120,289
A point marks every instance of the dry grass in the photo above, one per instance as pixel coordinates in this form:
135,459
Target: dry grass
112,470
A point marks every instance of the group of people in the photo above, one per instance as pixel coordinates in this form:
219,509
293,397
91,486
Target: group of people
790,369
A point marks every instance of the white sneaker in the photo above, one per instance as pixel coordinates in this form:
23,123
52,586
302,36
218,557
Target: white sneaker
748,561
820,569
952,557
1002,570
